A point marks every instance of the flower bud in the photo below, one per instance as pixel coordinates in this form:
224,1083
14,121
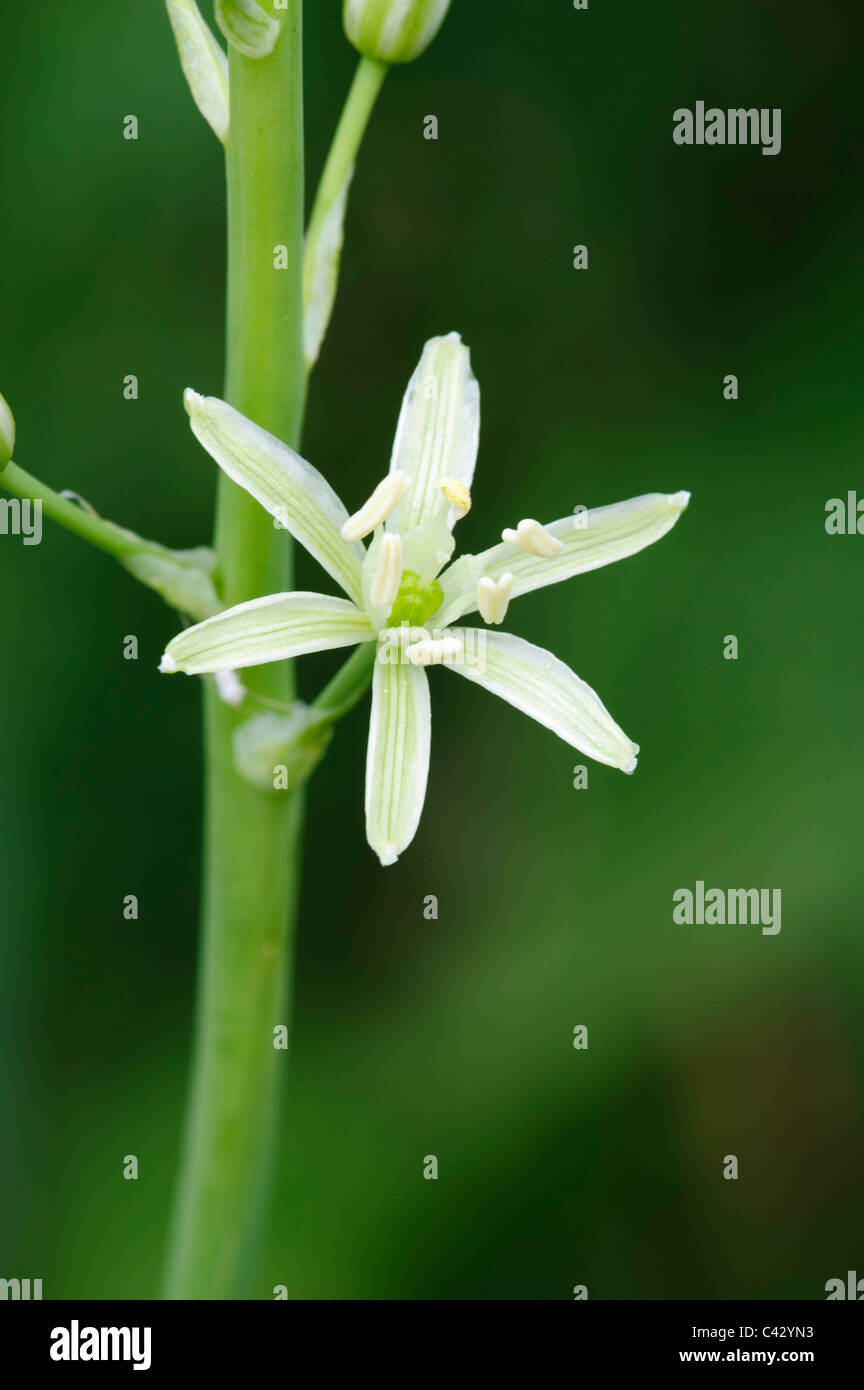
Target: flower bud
393,31
7,433
248,28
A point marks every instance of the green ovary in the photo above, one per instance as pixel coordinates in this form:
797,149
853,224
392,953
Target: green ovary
415,602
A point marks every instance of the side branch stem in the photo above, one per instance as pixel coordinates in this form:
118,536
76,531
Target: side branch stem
89,526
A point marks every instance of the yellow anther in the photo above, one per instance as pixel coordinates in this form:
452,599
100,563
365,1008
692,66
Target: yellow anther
457,495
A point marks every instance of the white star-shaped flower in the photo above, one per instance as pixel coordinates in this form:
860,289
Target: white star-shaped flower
403,593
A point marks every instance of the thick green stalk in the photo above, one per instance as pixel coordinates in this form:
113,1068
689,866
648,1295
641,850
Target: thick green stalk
252,835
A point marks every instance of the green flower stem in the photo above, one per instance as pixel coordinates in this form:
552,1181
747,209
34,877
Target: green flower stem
252,835
349,135
346,143
114,540
349,684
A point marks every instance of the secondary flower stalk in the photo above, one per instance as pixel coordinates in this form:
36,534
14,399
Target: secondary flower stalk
384,32
326,231
183,578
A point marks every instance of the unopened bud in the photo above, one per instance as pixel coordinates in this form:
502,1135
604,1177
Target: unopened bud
7,433
247,27
393,31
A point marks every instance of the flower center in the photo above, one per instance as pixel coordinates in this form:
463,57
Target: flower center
415,602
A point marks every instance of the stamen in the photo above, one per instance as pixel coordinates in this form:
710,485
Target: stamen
531,536
493,599
433,651
457,495
384,500
385,585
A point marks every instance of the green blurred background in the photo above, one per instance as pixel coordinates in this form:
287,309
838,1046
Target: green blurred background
454,1037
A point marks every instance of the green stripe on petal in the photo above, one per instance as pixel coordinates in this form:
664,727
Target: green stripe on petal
589,540
286,485
267,629
204,64
397,758
537,683
393,31
438,430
